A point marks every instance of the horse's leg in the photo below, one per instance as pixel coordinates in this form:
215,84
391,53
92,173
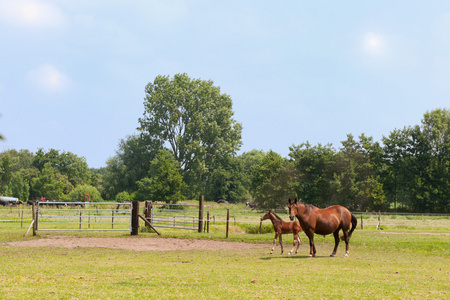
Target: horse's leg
336,242
346,239
281,243
293,246
299,241
274,243
296,239
312,247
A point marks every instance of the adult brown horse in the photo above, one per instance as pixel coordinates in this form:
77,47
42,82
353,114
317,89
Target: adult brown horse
280,227
323,221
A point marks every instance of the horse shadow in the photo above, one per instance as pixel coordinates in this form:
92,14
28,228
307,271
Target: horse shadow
291,257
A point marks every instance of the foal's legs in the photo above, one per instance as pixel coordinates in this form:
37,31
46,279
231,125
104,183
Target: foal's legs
296,239
299,241
274,242
336,242
281,243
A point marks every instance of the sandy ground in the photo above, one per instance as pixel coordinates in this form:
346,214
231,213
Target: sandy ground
136,244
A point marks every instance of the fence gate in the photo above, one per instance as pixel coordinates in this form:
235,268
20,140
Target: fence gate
180,216
83,216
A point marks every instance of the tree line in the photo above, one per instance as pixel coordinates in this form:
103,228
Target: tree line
187,144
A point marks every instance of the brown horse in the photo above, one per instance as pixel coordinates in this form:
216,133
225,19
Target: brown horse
323,221
281,228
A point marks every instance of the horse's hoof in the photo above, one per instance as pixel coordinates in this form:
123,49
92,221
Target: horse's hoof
331,255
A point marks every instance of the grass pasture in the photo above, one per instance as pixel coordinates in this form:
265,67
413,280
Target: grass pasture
408,259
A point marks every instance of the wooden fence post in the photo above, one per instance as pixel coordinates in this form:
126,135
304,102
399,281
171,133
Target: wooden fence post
361,222
135,218
379,220
150,208
228,220
147,212
207,222
34,218
200,214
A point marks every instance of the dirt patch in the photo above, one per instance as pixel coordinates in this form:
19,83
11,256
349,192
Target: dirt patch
136,244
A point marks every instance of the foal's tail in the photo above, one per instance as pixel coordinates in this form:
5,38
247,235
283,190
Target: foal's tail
354,223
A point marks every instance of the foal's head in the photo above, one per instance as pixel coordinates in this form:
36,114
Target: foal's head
292,209
266,216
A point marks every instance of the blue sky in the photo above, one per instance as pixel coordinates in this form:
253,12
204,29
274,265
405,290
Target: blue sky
73,72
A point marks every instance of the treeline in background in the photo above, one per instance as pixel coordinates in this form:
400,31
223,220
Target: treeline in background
187,146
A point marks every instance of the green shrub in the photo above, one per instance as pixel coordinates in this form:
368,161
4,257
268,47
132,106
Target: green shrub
254,229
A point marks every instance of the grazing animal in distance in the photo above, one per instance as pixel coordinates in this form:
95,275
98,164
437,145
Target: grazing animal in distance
281,228
252,205
323,221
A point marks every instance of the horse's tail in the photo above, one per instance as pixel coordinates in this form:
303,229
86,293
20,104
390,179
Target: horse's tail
354,221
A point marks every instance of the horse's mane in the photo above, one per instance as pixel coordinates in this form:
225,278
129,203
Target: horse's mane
308,207
276,216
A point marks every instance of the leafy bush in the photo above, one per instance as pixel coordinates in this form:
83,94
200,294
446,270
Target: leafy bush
77,194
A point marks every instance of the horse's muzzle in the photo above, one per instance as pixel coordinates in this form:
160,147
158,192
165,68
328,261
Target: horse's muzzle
292,218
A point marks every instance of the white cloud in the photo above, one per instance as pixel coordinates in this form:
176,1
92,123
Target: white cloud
49,79
30,13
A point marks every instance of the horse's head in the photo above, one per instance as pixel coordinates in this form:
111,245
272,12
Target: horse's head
266,216
292,209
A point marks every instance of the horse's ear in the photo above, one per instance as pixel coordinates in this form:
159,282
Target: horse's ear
290,200
295,201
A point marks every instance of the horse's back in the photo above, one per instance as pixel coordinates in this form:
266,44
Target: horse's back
331,218
344,215
291,227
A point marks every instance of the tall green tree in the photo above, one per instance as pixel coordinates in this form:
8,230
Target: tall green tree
315,166
194,120
6,165
19,187
250,162
67,163
272,181
130,164
51,184
165,183
356,175
226,181
436,133
418,164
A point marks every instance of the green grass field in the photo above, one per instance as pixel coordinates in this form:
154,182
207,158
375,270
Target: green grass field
408,259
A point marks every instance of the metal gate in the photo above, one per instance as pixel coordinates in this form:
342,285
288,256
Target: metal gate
83,216
180,216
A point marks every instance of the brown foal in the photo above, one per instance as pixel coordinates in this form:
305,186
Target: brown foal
281,228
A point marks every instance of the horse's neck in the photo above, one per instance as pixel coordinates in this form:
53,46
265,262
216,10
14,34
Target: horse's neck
275,220
302,210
